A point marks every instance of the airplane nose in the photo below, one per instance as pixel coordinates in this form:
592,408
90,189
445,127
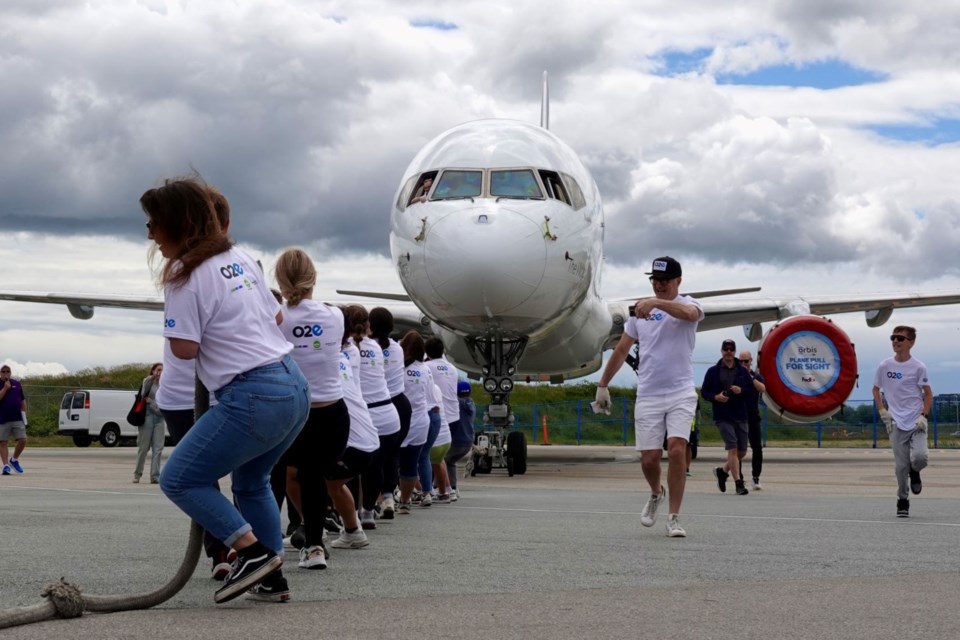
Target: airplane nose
485,263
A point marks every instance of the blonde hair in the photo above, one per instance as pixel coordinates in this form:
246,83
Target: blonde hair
296,275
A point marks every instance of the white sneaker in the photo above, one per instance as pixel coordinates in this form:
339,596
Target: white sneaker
649,514
354,540
454,495
426,500
367,521
387,508
312,558
756,485
674,530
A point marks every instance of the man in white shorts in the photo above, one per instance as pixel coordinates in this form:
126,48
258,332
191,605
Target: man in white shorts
665,328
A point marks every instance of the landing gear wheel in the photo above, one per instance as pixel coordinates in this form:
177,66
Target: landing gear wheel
517,453
510,466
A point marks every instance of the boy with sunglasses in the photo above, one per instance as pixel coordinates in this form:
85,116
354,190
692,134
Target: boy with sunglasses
903,381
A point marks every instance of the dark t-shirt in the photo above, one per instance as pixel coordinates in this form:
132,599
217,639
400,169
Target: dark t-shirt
10,404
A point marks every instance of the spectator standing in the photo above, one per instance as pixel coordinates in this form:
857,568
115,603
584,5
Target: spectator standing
152,434
13,420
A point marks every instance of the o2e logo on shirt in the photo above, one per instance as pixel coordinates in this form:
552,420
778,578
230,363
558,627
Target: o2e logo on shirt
231,271
169,323
307,331
896,375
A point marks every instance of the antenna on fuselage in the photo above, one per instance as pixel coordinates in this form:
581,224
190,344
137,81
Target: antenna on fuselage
545,103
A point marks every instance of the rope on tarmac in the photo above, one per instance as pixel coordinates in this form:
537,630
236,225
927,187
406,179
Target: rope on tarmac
66,600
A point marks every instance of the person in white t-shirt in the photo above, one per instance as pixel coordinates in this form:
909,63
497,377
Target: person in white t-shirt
177,402
381,326
418,385
446,376
902,379
316,331
665,328
219,311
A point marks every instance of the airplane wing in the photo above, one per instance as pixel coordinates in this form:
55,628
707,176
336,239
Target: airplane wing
878,308
81,305
719,314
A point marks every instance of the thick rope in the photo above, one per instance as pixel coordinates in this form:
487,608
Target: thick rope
65,600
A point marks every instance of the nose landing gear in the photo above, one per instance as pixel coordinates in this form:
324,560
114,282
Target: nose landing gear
498,445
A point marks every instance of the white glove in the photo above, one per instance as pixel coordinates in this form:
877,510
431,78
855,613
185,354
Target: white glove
887,420
602,404
922,424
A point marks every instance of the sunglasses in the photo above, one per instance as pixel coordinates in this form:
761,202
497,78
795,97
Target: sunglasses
742,361
655,279
728,349
897,338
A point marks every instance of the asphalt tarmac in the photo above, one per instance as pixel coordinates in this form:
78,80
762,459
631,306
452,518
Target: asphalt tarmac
557,553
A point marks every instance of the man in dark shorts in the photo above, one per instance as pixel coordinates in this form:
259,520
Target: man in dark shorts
724,385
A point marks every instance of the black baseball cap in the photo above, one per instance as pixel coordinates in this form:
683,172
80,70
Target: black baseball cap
665,267
728,343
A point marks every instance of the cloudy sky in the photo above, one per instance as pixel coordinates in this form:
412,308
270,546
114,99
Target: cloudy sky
805,147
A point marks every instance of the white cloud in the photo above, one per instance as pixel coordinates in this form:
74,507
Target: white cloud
305,114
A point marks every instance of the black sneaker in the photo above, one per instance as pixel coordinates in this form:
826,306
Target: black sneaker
333,523
741,489
247,572
903,508
273,588
915,485
721,476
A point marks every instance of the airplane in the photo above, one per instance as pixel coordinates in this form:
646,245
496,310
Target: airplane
496,232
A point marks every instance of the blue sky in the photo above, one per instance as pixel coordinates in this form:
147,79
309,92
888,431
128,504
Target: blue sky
833,73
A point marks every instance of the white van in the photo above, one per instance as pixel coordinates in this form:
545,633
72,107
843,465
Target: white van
97,414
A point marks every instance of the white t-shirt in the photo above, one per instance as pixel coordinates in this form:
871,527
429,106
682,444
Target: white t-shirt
445,376
363,435
177,382
902,385
393,367
226,307
416,385
443,436
367,364
666,350
315,330
373,380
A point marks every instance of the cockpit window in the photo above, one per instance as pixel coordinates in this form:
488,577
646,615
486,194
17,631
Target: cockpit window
514,183
458,183
577,201
406,194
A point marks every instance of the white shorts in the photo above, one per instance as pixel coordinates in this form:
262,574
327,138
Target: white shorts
667,415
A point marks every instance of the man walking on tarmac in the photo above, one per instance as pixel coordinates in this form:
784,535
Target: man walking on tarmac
665,328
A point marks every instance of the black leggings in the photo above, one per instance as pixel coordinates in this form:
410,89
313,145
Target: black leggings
315,453
390,447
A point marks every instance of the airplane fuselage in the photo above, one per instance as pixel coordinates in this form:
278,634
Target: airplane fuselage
505,243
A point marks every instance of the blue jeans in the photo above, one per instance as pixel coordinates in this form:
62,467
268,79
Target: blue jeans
423,465
258,415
